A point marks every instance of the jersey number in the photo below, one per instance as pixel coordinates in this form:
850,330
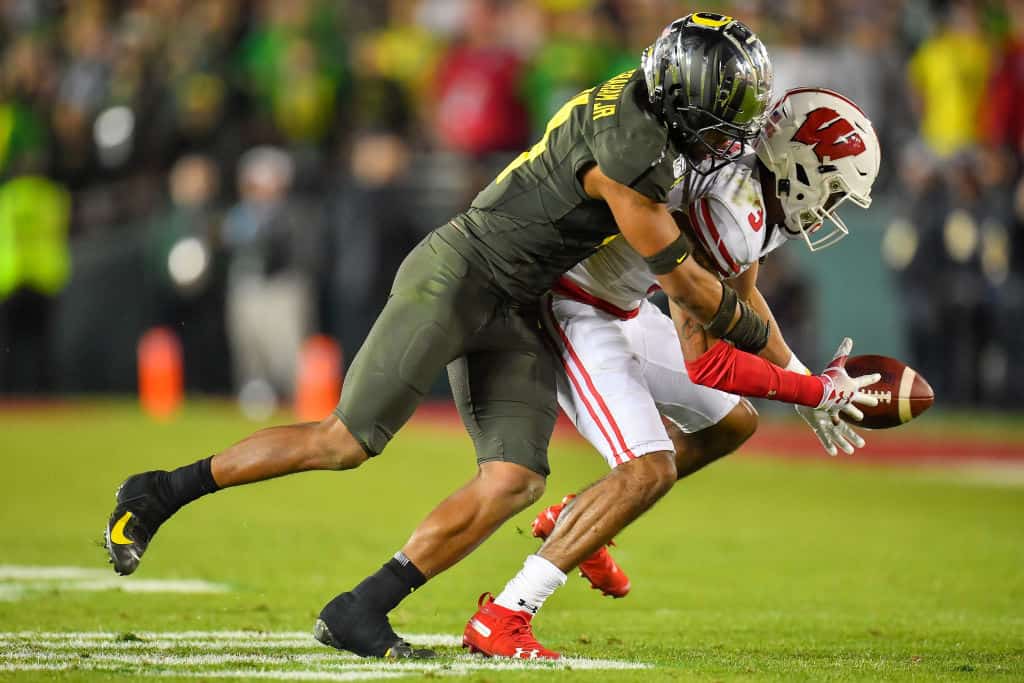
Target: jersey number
560,117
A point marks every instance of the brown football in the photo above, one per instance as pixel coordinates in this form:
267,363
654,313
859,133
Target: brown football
902,393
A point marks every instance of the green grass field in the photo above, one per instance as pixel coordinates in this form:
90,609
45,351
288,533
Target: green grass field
757,569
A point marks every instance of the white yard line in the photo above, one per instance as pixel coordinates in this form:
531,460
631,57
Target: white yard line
326,661
299,675
171,660
105,652
269,675
202,639
74,644
28,572
18,582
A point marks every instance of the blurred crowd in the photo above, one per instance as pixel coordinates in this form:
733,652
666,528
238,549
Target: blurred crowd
250,172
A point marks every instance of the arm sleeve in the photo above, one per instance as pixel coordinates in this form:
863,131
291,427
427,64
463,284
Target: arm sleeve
726,368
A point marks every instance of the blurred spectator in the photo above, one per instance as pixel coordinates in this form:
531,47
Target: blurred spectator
403,52
1002,117
371,229
273,244
948,296
479,110
81,90
948,72
580,50
34,267
185,272
292,64
26,84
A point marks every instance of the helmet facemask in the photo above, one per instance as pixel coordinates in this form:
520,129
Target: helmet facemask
707,141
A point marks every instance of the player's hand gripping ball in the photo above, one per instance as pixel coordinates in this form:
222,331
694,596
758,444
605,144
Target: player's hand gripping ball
902,393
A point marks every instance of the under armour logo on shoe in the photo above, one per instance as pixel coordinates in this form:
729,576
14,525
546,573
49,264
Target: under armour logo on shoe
532,609
521,653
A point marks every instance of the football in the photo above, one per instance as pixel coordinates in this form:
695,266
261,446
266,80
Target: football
902,393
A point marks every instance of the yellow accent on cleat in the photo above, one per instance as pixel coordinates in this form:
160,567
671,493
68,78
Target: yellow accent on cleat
117,532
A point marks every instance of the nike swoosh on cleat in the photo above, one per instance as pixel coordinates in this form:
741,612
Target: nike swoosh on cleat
117,531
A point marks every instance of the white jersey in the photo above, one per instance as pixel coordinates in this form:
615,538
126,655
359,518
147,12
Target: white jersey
726,211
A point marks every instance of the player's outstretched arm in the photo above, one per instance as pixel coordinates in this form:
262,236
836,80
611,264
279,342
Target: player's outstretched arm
833,433
722,366
653,233
717,364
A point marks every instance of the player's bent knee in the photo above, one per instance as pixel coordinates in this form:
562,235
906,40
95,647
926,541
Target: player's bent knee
743,423
654,472
334,447
510,484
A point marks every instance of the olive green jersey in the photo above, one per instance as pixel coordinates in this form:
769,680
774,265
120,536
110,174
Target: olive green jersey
534,221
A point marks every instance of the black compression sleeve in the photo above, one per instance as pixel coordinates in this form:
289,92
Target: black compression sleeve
750,333
719,323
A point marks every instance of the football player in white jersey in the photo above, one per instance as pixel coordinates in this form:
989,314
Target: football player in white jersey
658,408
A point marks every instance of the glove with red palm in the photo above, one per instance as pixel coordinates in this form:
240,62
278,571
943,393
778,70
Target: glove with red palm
841,390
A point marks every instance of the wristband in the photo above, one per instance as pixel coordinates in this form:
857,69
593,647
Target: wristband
794,365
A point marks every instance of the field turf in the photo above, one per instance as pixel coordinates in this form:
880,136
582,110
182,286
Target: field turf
756,569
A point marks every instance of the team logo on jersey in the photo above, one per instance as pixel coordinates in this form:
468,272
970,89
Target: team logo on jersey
756,219
831,136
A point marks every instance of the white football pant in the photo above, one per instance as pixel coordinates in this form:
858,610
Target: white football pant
621,376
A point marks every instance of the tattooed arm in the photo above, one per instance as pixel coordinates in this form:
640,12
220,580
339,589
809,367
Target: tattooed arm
717,364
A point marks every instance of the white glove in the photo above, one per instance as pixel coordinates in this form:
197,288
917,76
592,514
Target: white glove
830,430
841,390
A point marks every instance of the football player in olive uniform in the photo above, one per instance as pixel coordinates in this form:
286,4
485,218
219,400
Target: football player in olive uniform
466,298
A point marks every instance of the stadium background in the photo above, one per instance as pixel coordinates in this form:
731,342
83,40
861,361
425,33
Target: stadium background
249,173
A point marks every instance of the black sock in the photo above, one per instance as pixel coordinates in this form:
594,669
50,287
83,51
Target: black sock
391,584
187,483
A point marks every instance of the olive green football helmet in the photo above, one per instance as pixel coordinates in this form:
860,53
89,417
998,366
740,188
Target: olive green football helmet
709,80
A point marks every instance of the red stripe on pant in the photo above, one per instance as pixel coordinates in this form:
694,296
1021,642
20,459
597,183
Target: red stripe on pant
624,450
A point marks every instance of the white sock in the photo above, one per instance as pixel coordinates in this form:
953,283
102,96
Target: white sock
534,584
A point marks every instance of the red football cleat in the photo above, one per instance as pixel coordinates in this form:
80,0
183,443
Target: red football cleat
497,631
600,568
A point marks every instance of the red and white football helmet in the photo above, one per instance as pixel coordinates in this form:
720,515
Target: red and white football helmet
823,150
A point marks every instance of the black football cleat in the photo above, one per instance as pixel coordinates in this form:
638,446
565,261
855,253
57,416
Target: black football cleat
138,514
346,624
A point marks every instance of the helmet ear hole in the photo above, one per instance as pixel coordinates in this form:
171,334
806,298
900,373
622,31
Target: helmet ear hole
801,175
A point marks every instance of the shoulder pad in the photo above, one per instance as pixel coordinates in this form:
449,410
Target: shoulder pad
731,234
627,142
